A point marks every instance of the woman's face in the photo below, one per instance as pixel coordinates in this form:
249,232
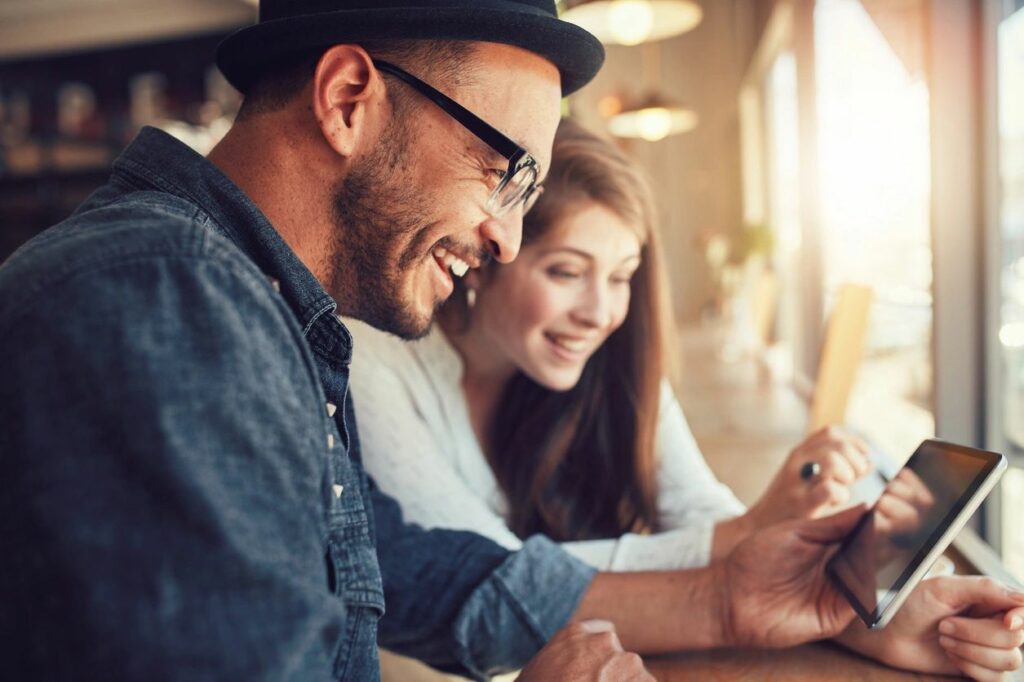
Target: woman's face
550,309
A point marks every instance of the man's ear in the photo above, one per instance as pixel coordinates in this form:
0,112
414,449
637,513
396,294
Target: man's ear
346,94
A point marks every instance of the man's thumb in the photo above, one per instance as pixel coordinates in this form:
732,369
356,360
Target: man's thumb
832,528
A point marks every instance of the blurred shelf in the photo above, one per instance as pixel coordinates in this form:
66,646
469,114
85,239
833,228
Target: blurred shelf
33,28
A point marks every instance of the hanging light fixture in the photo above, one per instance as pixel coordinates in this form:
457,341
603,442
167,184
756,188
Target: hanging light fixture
631,22
653,118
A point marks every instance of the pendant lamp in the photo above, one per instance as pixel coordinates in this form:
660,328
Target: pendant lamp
631,22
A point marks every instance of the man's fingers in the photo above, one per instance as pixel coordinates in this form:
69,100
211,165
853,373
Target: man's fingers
627,666
595,626
598,633
985,656
991,632
832,528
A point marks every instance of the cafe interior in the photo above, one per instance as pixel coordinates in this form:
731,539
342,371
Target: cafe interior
840,197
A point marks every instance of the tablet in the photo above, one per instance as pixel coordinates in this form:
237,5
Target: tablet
918,514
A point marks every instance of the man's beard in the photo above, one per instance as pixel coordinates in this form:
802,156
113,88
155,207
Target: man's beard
374,212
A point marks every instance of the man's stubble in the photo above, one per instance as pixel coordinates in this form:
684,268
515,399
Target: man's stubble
380,235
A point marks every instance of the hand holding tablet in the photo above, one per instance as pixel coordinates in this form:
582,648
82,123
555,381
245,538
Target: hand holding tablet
920,512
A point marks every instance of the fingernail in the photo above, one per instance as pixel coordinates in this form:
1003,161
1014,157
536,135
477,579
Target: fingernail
947,642
946,627
1016,622
596,625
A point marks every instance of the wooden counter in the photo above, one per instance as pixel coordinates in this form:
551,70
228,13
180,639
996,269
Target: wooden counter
807,663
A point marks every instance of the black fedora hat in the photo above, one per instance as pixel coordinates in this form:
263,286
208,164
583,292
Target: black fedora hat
287,27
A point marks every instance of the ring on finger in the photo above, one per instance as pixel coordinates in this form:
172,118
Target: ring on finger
810,470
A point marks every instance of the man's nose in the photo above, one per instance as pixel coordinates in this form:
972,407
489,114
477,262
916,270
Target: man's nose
503,235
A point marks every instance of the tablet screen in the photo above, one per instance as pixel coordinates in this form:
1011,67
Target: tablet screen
915,509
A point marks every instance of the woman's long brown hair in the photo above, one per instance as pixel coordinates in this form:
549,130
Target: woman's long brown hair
580,464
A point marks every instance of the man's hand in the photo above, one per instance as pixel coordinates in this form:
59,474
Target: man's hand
776,593
950,625
584,652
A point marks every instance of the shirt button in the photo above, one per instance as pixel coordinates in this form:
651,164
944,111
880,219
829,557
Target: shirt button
276,284
330,441
331,409
337,489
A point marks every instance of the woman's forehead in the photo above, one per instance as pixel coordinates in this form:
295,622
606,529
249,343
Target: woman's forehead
593,231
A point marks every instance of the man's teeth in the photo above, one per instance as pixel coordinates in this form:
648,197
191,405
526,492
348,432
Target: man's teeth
574,345
457,266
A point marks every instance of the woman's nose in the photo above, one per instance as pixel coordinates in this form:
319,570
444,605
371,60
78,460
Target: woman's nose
594,310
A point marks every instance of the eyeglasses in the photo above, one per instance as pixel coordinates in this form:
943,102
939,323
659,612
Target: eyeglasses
519,183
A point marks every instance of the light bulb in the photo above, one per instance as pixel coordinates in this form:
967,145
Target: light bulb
630,21
654,124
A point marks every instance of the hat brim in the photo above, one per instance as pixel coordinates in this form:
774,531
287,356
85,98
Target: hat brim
248,52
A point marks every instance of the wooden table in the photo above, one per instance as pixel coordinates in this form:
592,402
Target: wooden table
807,663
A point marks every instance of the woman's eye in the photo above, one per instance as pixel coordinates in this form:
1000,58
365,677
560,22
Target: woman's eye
559,273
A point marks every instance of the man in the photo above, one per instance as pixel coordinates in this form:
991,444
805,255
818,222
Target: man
184,498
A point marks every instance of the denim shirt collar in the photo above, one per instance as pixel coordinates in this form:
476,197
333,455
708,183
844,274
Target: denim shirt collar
156,160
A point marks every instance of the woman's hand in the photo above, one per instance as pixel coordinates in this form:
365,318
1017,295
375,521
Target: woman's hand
958,624
840,459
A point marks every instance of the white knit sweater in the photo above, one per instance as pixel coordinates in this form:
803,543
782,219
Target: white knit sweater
420,448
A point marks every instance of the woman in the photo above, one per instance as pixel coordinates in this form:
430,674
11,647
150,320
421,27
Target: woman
539,405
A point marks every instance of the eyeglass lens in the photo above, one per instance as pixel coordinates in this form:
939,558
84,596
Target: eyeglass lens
518,188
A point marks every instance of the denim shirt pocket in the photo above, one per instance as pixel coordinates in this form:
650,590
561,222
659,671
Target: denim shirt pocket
353,571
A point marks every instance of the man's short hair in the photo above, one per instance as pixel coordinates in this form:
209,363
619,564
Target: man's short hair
446,64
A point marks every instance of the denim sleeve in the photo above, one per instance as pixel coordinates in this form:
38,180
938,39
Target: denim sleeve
161,505
462,603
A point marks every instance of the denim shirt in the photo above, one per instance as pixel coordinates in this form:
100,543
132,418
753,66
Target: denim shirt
183,496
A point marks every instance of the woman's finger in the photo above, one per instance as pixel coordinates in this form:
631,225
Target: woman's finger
861,445
829,492
975,671
857,459
988,657
991,632
834,465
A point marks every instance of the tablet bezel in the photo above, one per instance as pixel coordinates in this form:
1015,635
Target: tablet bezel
965,505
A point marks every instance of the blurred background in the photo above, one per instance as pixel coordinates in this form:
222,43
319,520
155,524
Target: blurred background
840,186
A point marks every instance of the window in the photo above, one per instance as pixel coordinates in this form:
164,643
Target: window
1010,225
874,159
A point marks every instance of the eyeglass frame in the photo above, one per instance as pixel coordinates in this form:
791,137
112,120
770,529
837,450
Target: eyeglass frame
518,158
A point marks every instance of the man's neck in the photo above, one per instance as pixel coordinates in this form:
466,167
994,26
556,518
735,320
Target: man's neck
267,160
